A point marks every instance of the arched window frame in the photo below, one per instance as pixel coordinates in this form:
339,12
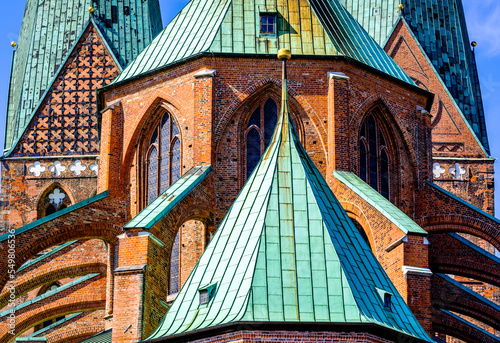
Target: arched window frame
382,146
245,129
156,143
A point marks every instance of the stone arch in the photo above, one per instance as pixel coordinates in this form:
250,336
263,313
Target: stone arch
42,200
378,106
463,224
136,153
357,216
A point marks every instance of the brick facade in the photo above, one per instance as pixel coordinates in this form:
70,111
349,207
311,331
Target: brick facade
211,100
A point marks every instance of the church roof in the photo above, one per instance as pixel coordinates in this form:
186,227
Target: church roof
441,30
51,28
306,27
286,252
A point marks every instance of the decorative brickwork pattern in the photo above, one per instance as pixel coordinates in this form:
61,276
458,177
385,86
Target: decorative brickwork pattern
66,121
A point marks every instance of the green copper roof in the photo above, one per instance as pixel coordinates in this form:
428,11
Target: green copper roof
48,32
306,27
381,204
148,217
287,252
441,29
101,337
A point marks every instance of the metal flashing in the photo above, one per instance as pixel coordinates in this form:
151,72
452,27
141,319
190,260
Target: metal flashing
44,256
153,213
469,205
381,204
48,294
55,215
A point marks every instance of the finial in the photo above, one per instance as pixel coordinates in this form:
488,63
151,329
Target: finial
91,9
401,7
13,44
474,44
284,54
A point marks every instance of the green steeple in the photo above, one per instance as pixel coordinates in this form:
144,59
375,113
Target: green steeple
287,252
50,29
306,27
441,30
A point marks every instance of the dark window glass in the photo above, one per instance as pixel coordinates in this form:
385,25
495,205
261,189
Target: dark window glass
259,132
50,209
165,157
362,161
255,118
374,157
270,120
268,24
387,301
372,143
384,174
253,150
174,283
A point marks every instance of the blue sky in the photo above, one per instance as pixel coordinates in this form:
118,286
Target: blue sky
482,21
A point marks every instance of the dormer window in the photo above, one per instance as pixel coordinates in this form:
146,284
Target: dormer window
387,301
268,24
207,293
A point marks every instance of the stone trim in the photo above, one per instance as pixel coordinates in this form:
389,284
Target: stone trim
205,73
408,270
338,76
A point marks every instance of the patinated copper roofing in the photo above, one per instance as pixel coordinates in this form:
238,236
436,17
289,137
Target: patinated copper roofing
50,29
287,252
306,27
441,30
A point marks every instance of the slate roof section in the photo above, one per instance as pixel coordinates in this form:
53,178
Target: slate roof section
441,29
287,252
381,204
48,32
306,27
148,217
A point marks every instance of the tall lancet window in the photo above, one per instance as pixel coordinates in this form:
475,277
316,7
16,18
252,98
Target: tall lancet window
374,160
259,131
163,158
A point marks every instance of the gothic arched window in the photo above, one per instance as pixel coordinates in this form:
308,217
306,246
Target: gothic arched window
163,162
374,161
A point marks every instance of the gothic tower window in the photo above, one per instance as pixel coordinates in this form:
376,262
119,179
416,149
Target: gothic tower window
259,131
163,163
374,161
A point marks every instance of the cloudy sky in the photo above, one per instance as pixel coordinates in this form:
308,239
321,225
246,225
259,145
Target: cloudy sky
482,21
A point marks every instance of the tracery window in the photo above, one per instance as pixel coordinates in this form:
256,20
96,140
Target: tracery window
374,161
163,163
163,167
259,132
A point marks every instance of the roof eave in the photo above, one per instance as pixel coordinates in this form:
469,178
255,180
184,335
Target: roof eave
370,328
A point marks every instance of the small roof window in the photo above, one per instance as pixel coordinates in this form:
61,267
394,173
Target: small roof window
268,24
207,293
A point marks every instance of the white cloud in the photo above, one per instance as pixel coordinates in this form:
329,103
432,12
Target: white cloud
483,24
